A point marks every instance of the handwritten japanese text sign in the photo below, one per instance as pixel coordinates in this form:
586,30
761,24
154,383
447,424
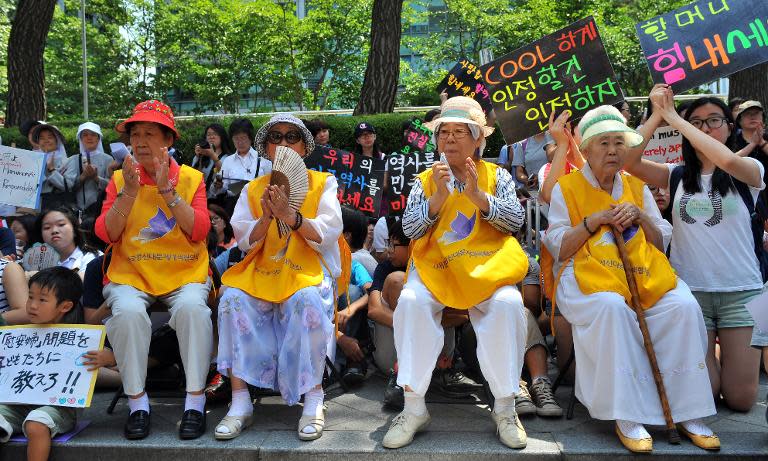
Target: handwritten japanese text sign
704,41
568,69
43,364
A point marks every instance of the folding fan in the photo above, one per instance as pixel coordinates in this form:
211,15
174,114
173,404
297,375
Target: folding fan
289,170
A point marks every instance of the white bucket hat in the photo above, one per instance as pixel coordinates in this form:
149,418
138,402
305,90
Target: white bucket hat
595,123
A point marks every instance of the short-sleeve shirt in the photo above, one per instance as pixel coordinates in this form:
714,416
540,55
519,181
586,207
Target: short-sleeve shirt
360,275
531,154
382,271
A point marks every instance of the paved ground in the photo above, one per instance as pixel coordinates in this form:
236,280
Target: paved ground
357,422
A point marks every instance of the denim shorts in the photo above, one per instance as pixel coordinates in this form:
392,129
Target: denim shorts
726,309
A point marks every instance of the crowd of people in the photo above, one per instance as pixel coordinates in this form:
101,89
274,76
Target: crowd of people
268,295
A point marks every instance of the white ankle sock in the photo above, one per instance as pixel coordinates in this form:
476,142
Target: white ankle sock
141,403
415,404
504,404
312,401
242,405
697,426
195,402
632,430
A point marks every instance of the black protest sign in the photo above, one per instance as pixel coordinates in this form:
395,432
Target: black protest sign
402,170
568,69
417,138
363,185
465,79
704,41
330,160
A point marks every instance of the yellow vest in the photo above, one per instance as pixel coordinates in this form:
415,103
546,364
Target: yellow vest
276,268
597,264
462,259
153,254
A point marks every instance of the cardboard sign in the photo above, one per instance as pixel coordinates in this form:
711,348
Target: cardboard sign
21,175
363,186
417,138
704,41
568,69
43,364
330,160
402,171
665,146
465,79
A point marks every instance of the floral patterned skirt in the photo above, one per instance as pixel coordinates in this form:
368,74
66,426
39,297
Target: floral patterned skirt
279,346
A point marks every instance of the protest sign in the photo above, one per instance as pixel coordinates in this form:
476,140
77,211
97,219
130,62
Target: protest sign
363,185
40,256
417,138
21,174
43,364
330,160
465,79
568,69
665,146
704,41
402,170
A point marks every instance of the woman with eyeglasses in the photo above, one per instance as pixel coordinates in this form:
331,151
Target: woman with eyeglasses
244,165
712,246
275,317
225,236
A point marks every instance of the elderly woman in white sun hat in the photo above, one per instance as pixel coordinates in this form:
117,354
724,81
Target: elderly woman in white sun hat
461,216
613,377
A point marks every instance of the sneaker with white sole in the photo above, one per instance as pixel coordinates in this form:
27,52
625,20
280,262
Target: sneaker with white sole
404,427
523,403
510,429
544,399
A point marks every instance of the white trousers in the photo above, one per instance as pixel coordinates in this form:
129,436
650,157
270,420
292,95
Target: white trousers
500,327
129,331
613,374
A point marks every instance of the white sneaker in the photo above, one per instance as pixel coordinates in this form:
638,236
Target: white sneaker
404,427
510,429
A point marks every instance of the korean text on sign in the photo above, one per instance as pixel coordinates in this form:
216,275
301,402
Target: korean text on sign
465,79
417,138
704,41
568,69
402,171
363,186
43,365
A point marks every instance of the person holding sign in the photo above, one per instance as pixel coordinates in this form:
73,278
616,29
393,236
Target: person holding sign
276,313
54,298
713,244
156,220
614,377
462,215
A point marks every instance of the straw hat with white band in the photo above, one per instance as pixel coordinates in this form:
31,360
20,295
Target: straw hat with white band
461,109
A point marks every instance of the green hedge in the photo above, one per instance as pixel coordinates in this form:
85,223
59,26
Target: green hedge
388,127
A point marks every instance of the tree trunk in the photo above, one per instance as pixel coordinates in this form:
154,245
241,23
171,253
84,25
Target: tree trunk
383,70
750,83
26,76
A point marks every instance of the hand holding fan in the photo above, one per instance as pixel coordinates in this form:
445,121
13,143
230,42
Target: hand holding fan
290,172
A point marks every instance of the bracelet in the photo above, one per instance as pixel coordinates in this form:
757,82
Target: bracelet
587,227
116,210
299,221
122,192
175,201
165,191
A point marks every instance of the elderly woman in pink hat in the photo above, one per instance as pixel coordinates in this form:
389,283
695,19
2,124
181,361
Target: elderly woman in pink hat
156,219
461,217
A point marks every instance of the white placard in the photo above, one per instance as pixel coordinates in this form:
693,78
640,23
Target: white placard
40,256
758,307
43,364
21,174
665,146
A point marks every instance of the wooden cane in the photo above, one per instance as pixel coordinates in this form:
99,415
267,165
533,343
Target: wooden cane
674,437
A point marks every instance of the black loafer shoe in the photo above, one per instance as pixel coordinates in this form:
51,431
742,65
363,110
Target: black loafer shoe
137,426
192,425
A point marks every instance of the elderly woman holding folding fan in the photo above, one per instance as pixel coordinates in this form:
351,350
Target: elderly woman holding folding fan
275,314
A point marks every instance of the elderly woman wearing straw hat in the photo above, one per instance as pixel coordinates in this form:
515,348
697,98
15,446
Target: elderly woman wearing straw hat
276,314
156,220
614,377
461,215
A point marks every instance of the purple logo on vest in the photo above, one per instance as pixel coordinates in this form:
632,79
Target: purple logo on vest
159,225
461,227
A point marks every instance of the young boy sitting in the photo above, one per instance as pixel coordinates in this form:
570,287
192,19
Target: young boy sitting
54,297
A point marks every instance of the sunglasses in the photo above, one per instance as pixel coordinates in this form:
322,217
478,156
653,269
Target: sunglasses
291,137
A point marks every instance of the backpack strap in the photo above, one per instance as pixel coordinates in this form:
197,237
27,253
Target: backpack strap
674,181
